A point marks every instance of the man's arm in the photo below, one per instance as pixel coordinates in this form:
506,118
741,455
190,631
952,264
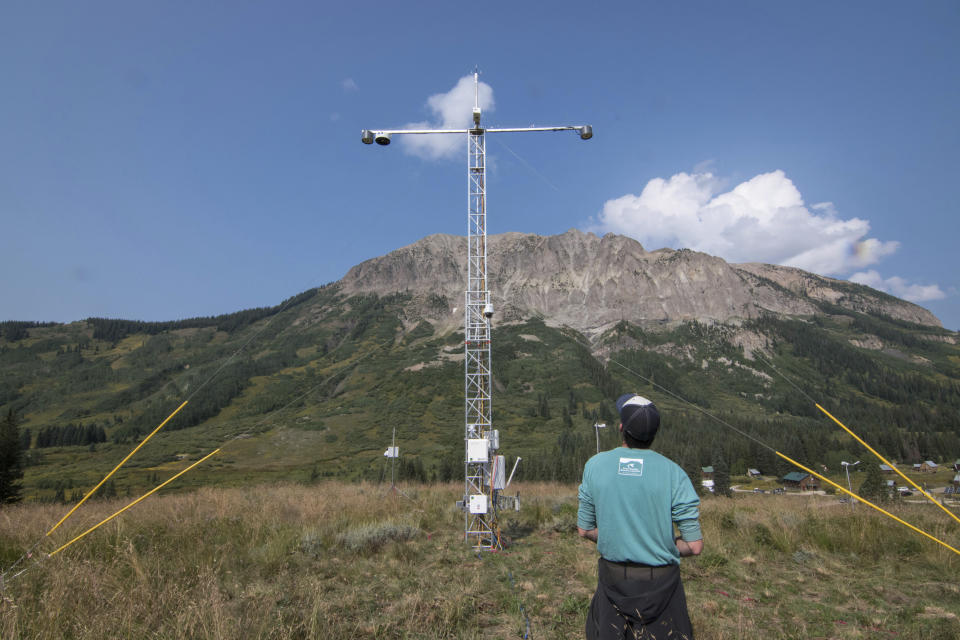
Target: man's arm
586,513
686,515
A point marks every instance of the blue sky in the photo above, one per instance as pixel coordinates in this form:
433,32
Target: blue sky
170,160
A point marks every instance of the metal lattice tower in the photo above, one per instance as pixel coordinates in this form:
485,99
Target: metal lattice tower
479,486
484,468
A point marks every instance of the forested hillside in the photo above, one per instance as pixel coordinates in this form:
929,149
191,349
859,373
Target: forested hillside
314,387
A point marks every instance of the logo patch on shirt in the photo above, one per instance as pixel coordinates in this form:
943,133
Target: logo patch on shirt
630,467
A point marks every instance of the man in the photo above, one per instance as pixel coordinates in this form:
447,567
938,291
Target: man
630,500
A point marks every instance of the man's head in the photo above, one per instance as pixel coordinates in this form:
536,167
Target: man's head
639,420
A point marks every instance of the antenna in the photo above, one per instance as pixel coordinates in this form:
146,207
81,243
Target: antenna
484,470
476,98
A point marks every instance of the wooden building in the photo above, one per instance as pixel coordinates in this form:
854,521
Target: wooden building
800,480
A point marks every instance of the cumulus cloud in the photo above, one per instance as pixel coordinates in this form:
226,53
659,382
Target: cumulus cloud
450,110
899,287
763,219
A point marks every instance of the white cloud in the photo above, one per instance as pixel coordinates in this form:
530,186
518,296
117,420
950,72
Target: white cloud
899,287
761,220
349,84
450,110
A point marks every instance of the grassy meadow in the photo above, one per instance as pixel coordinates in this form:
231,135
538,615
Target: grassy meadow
341,560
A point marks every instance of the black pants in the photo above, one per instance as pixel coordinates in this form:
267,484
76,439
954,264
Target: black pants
635,602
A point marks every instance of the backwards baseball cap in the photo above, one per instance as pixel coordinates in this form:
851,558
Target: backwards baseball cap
638,416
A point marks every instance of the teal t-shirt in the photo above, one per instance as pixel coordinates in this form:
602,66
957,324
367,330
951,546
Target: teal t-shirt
634,497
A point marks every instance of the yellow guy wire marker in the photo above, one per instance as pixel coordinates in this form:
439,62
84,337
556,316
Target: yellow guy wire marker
143,497
892,466
866,502
107,477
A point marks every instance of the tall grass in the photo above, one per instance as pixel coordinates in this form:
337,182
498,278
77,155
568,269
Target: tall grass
345,560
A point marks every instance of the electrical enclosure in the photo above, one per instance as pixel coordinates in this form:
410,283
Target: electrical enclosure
478,450
478,503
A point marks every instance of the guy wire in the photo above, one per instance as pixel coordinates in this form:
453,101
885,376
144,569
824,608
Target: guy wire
225,363
527,165
868,503
116,468
26,554
922,491
29,552
144,441
698,408
244,345
188,398
781,374
790,460
141,498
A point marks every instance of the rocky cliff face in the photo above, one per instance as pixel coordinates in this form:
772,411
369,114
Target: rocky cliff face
588,283
841,293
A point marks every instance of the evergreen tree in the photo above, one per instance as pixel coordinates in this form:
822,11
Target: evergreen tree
450,469
739,468
873,486
721,475
690,463
11,466
543,406
109,490
606,416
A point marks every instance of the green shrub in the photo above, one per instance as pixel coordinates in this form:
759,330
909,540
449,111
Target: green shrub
728,521
370,537
764,537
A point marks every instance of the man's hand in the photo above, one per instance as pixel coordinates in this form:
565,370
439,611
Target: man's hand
688,548
590,535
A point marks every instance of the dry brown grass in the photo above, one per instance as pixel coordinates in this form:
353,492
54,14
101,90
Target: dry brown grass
274,561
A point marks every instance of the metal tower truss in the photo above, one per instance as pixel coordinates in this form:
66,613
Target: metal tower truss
484,469
480,493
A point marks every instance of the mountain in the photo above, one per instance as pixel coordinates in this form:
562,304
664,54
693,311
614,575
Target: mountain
589,284
315,386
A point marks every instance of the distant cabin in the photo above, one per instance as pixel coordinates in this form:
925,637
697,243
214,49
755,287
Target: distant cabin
707,473
708,485
753,473
956,465
885,469
929,466
916,467
800,480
